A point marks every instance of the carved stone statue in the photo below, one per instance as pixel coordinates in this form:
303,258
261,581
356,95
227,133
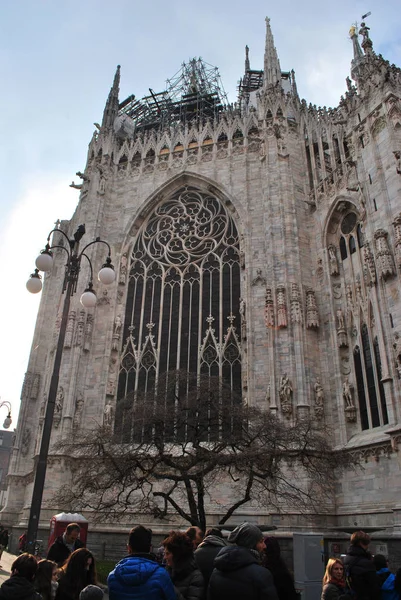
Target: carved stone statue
58,407
79,405
348,392
123,268
285,394
319,393
319,399
25,442
340,319
364,32
108,414
117,325
333,261
268,394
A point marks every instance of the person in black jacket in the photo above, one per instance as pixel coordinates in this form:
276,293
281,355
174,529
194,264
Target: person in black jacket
78,572
207,551
283,581
186,576
20,584
238,574
65,544
360,570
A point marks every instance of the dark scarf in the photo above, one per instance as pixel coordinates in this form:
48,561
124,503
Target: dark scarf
340,583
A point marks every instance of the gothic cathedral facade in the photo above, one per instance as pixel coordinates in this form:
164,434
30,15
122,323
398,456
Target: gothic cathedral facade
259,242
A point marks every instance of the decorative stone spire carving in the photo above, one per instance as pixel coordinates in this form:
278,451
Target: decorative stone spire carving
69,334
269,309
111,108
296,307
397,232
281,307
272,70
312,316
355,43
247,62
369,270
88,332
384,259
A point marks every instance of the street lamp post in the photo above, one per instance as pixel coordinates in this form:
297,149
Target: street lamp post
7,420
44,262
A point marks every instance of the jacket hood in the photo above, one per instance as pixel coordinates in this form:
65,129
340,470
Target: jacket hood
232,558
358,551
17,587
246,535
135,570
213,540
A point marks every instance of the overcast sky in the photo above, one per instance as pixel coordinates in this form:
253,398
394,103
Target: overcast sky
57,62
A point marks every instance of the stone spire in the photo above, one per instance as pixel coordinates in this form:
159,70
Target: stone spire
247,62
111,108
355,42
272,70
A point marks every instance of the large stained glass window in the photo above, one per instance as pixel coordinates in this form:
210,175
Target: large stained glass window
183,301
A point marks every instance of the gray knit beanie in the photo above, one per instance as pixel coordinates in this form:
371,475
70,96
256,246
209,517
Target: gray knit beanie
246,535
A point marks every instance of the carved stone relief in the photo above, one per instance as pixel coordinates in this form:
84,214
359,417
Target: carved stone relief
35,386
384,259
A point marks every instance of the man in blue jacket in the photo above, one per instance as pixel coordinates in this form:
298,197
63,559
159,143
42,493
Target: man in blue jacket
138,575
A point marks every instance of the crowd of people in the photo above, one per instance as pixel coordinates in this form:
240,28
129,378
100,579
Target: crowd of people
191,565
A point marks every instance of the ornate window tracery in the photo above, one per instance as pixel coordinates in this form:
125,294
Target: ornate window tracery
183,301
358,272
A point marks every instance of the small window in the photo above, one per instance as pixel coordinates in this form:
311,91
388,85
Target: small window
348,223
352,246
343,248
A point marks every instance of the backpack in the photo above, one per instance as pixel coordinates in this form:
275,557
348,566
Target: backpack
348,579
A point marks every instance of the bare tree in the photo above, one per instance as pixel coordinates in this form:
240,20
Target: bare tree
172,450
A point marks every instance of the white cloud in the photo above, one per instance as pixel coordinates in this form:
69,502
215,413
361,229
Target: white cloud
23,235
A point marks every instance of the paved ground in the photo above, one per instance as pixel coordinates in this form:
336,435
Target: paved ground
6,561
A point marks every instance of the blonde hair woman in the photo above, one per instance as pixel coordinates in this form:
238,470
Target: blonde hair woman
334,581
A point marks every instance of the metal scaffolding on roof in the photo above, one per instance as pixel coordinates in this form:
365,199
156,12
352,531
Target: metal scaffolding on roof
194,93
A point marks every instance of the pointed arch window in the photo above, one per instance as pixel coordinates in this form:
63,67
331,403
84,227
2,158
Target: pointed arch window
360,386
183,300
371,396
343,248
